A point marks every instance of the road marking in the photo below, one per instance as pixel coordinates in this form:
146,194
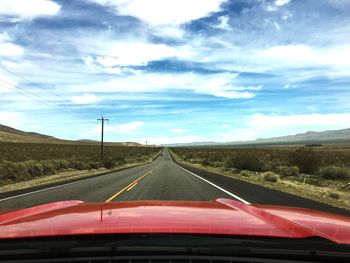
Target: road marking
129,186
218,187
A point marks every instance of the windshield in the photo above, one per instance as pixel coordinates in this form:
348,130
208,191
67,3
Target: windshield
105,102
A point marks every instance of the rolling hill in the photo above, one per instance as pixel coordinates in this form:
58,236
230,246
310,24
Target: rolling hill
9,134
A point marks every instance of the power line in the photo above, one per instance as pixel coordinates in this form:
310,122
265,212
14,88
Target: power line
32,83
42,100
41,87
38,98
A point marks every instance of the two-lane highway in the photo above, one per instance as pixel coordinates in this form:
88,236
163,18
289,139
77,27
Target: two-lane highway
162,179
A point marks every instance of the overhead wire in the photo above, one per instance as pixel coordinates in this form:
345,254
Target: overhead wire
43,100
43,88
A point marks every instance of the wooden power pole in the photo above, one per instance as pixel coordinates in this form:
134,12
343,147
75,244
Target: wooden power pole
103,120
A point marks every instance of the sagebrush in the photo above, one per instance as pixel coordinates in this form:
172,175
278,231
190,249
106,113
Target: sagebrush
327,163
23,161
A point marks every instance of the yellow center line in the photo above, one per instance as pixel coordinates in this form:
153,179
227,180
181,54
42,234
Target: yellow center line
129,186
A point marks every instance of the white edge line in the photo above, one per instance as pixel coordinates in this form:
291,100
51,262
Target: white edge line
218,187
222,189
45,189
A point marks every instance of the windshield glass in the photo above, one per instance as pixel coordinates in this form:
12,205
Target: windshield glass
235,108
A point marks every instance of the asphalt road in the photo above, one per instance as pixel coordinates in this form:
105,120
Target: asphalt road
162,179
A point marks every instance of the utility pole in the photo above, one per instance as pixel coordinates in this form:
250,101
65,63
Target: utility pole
103,120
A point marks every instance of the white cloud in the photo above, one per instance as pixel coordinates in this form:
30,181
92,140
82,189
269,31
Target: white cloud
223,23
138,53
179,131
339,55
135,52
84,99
277,4
169,31
219,85
28,9
271,8
12,119
128,128
8,49
112,70
164,18
4,37
291,53
88,60
106,61
281,2
331,61
107,64
160,12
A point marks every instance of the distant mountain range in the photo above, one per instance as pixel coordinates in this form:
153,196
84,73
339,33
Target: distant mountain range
8,134
310,137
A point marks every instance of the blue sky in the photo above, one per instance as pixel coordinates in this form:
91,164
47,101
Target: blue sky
173,71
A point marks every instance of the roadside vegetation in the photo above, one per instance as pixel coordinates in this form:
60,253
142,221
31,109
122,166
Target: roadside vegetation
25,161
320,173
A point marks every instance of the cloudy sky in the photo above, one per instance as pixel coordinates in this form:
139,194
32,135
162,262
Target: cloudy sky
175,70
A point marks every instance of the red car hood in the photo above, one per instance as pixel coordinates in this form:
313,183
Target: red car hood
222,216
